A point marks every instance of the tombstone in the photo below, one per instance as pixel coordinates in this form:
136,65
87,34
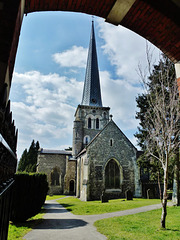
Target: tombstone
150,194
129,195
104,197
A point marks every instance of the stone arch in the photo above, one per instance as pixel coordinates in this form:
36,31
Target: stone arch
97,123
89,121
113,174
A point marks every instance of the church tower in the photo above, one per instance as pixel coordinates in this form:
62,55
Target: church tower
90,115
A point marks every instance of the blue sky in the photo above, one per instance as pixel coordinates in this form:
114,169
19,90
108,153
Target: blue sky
50,69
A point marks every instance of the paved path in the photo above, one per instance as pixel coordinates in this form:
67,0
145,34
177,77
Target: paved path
59,224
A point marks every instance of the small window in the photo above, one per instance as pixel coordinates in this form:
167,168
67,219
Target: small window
89,123
111,142
86,140
104,115
55,177
97,123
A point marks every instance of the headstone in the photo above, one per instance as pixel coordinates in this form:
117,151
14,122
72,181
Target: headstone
104,197
150,194
129,195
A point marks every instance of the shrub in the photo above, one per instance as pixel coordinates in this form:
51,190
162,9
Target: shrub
29,195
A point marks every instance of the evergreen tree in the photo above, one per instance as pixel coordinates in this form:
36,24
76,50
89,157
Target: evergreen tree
23,161
28,160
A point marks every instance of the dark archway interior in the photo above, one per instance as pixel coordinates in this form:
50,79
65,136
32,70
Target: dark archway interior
157,21
71,186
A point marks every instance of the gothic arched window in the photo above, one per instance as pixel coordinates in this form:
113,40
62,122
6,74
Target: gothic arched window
97,123
55,177
89,122
112,175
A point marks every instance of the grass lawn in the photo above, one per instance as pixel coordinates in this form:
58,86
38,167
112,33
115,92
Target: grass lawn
54,197
78,207
17,231
142,226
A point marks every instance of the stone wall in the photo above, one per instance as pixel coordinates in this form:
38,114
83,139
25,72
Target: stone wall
81,130
70,177
46,164
111,143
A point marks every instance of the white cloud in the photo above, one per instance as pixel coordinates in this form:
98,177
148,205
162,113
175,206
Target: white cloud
125,49
47,110
43,105
74,57
120,96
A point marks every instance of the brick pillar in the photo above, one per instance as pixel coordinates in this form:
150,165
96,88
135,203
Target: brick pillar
176,185
177,69
11,16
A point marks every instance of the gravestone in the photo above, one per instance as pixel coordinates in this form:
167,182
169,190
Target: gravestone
129,195
104,197
150,194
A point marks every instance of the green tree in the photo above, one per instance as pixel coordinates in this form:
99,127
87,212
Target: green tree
23,161
28,160
159,120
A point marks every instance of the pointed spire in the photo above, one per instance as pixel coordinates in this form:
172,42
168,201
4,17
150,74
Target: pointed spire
92,91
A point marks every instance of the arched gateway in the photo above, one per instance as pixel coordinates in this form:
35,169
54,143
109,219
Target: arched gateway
158,21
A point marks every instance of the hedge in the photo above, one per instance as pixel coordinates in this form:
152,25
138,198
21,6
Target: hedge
29,195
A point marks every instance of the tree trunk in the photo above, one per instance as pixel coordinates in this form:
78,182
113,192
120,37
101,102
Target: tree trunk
164,201
176,185
164,213
177,177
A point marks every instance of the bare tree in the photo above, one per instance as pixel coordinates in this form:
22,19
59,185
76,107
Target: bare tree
162,118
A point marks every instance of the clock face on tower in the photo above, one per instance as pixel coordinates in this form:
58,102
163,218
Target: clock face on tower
93,100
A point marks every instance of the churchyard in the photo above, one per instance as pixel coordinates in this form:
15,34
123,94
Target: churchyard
144,225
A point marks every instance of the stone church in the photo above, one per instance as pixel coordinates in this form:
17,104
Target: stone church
102,158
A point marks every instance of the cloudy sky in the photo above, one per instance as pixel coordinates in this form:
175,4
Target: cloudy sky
50,69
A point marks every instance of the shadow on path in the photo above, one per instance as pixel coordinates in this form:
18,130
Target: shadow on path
54,208
61,224
57,217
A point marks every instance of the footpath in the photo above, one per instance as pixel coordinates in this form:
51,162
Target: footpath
60,224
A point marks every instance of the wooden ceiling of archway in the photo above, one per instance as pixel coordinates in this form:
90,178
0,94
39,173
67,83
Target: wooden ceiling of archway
94,7
158,21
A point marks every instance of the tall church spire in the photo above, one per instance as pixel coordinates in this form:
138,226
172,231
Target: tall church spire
92,91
